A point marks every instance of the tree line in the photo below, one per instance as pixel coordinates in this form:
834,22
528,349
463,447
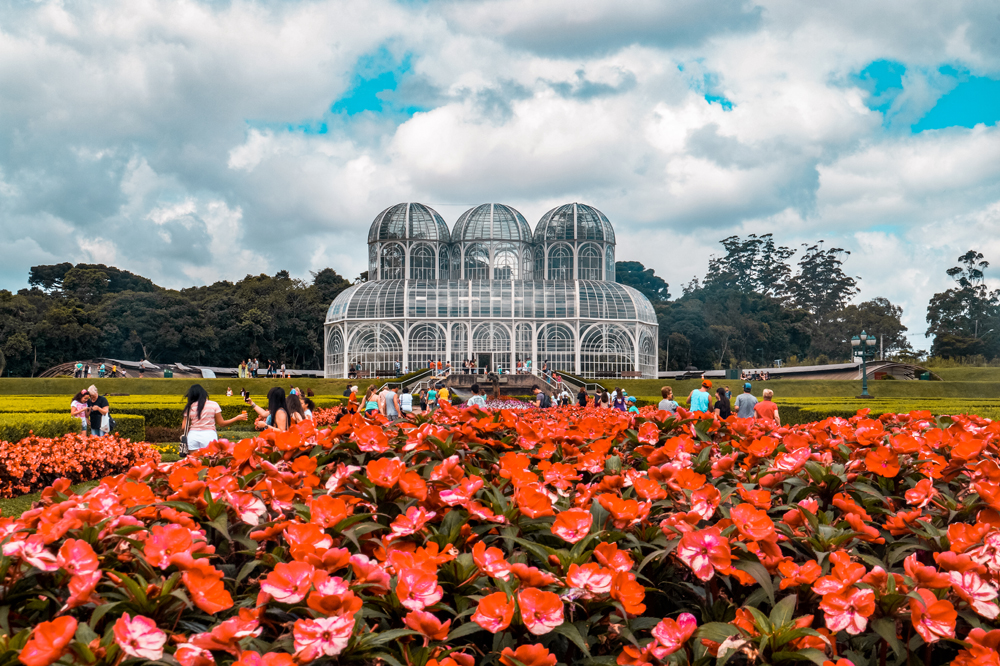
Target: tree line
752,307
92,310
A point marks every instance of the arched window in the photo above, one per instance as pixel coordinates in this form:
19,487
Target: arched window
372,262
334,352
505,262
557,348
522,343
590,263
444,265
528,264
456,262
647,354
492,339
375,347
561,263
609,259
477,262
606,351
539,264
392,262
427,343
459,344
421,262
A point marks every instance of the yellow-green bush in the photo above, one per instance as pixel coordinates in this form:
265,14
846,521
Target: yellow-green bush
15,427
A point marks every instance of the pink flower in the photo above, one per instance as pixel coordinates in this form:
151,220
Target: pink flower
139,637
417,589
463,492
705,552
591,577
572,525
541,611
324,636
412,522
289,582
494,613
490,560
33,551
78,558
671,634
848,610
976,592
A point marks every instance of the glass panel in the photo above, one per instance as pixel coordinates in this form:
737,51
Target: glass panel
426,343
560,263
373,261
459,345
590,263
334,352
422,262
559,225
505,262
477,262
647,354
606,351
444,263
609,261
375,348
392,262
393,223
557,348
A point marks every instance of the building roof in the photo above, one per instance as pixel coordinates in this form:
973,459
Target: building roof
574,221
491,222
409,221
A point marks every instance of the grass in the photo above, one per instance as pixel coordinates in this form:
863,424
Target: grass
14,507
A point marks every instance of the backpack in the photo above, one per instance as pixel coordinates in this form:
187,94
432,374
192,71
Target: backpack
546,401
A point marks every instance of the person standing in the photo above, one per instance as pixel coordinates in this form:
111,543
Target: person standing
276,414
699,400
296,411
389,403
284,371
605,400
444,395
745,403
405,402
722,407
371,401
78,409
78,370
631,405
618,400
542,400
202,416
581,397
97,410
767,410
432,398
667,404
476,400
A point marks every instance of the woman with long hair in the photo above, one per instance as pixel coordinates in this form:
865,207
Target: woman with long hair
371,401
295,408
722,407
276,414
619,401
202,416
310,407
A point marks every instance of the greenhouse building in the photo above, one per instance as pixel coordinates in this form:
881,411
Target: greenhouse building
491,291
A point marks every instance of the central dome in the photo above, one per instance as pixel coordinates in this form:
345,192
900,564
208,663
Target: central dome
491,222
574,221
409,221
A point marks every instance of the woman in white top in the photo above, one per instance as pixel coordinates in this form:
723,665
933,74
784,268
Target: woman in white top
406,401
201,416
78,408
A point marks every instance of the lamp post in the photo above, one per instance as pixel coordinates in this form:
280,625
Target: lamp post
867,345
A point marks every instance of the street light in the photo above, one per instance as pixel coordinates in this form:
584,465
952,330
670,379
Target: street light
867,345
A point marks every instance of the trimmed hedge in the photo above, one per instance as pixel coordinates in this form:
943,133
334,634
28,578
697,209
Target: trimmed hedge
15,427
130,426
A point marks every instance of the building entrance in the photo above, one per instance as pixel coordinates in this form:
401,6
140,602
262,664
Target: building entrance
484,362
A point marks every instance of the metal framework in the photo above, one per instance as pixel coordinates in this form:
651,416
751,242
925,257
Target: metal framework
494,291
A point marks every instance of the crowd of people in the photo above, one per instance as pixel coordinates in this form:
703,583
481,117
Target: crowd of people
755,376
85,371
250,369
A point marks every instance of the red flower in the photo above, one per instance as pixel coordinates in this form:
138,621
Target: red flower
752,523
541,611
48,642
933,618
628,592
794,575
495,612
921,494
848,610
411,522
289,582
490,561
385,472
427,624
591,577
671,635
207,590
528,655
882,461
532,502
609,555
572,525
705,552
417,589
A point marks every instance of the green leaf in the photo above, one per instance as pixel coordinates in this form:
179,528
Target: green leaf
717,631
759,573
100,611
371,640
464,630
808,654
571,632
886,628
783,611
247,568
763,624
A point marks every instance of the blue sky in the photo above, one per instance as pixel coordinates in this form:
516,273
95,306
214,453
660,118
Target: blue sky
196,141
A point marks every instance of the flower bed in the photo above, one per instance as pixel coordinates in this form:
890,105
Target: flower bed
33,463
563,534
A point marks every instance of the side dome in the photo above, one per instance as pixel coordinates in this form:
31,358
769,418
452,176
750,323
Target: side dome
574,221
409,221
491,222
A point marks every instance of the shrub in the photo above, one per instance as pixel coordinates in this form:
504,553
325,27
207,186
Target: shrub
570,535
131,427
14,427
161,434
32,463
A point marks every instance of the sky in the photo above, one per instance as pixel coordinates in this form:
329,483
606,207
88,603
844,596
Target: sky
191,142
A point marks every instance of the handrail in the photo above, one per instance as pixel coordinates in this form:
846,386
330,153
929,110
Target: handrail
399,384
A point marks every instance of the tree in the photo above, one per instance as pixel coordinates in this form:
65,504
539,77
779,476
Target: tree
821,286
644,280
754,264
880,319
965,320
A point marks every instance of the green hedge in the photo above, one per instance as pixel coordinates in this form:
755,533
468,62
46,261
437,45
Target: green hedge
15,427
131,426
178,387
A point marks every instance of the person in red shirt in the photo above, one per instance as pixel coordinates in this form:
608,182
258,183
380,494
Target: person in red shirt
766,409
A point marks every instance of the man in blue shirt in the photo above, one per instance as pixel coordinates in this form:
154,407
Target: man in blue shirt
700,399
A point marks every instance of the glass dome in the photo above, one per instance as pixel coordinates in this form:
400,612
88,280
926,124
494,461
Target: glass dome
574,221
409,221
491,222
